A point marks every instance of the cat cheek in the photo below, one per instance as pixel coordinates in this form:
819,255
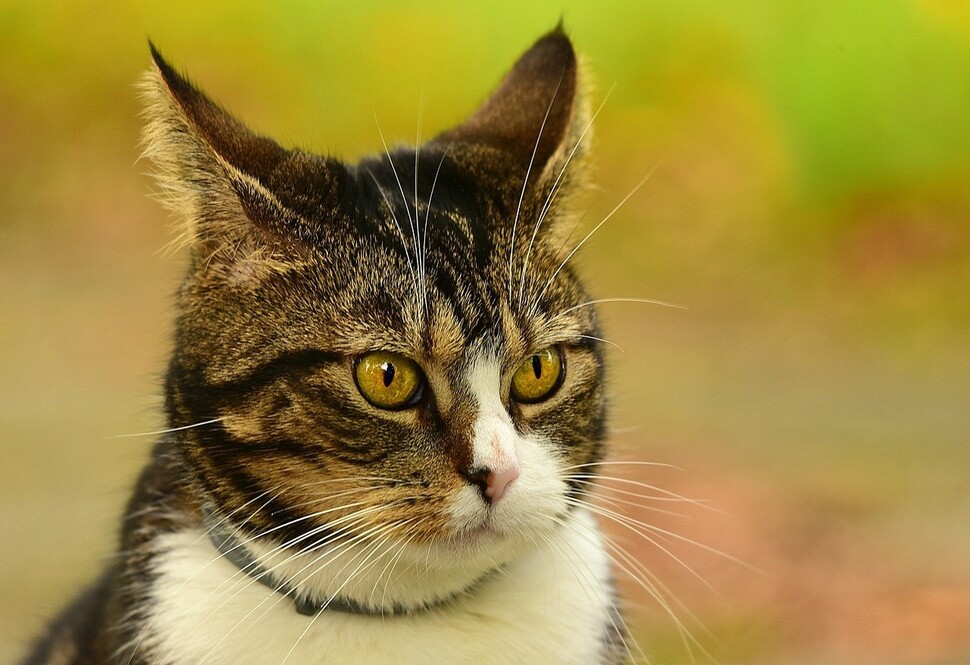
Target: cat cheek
540,493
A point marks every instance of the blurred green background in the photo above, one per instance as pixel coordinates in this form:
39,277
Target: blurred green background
810,206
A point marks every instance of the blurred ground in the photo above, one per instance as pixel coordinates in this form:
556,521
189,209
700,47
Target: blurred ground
810,207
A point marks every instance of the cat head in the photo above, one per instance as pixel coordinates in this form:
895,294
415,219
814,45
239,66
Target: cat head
398,347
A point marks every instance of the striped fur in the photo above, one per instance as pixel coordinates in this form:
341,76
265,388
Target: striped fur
452,254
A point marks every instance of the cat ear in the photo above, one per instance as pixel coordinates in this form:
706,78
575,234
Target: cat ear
245,202
533,124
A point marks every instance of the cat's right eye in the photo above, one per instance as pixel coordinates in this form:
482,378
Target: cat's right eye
389,380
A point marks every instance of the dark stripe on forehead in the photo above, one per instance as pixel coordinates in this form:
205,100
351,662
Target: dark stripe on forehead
459,214
474,299
458,238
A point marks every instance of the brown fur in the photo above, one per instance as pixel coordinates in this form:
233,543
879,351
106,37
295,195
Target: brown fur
299,264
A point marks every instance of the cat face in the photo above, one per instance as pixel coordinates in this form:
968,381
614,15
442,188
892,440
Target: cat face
397,348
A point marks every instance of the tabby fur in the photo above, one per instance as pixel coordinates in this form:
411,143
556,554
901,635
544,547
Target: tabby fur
454,254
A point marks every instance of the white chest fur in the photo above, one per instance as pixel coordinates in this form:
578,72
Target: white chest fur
549,607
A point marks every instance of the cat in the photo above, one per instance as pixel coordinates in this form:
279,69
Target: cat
386,401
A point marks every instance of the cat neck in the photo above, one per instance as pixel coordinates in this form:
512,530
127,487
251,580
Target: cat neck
371,578
550,605
300,590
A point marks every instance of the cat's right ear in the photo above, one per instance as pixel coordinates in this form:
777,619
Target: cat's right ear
530,135
231,189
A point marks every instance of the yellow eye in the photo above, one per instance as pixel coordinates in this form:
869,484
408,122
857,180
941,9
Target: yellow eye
538,377
389,380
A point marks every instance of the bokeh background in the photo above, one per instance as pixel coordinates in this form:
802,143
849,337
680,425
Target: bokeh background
810,207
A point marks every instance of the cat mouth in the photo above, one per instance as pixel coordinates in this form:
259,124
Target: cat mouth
493,531
484,532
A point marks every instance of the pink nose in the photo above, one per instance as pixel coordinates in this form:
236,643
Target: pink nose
492,485
497,482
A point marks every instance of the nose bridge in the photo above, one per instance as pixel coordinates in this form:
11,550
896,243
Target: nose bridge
484,384
478,431
493,439
493,435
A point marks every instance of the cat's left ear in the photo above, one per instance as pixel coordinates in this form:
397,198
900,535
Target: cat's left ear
533,126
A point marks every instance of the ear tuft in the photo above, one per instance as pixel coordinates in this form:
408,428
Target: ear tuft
223,181
532,123
230,140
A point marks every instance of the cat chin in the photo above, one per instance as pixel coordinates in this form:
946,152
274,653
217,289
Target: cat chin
396,574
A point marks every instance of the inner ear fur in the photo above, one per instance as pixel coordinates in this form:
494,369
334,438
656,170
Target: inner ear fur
244,204
530,127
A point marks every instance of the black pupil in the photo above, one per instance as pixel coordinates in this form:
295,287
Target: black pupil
537,367
388,373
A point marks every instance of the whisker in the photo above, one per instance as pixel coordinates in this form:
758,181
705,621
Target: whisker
554,190
601,339
397,178
352,520
525,181
663,465
387,479
404,245
296,520
402,547
412,221
427,213
646,301
645,582
329,556
619,503
670,535
602,484
586,581
589,235
352,575
602,488
636,483
351,517
146,628
637,527
170,429
271,595
420,240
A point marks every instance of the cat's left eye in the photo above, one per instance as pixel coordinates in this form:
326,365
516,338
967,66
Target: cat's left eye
538,377
389,380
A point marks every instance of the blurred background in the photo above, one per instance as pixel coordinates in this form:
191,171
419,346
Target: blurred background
810,207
